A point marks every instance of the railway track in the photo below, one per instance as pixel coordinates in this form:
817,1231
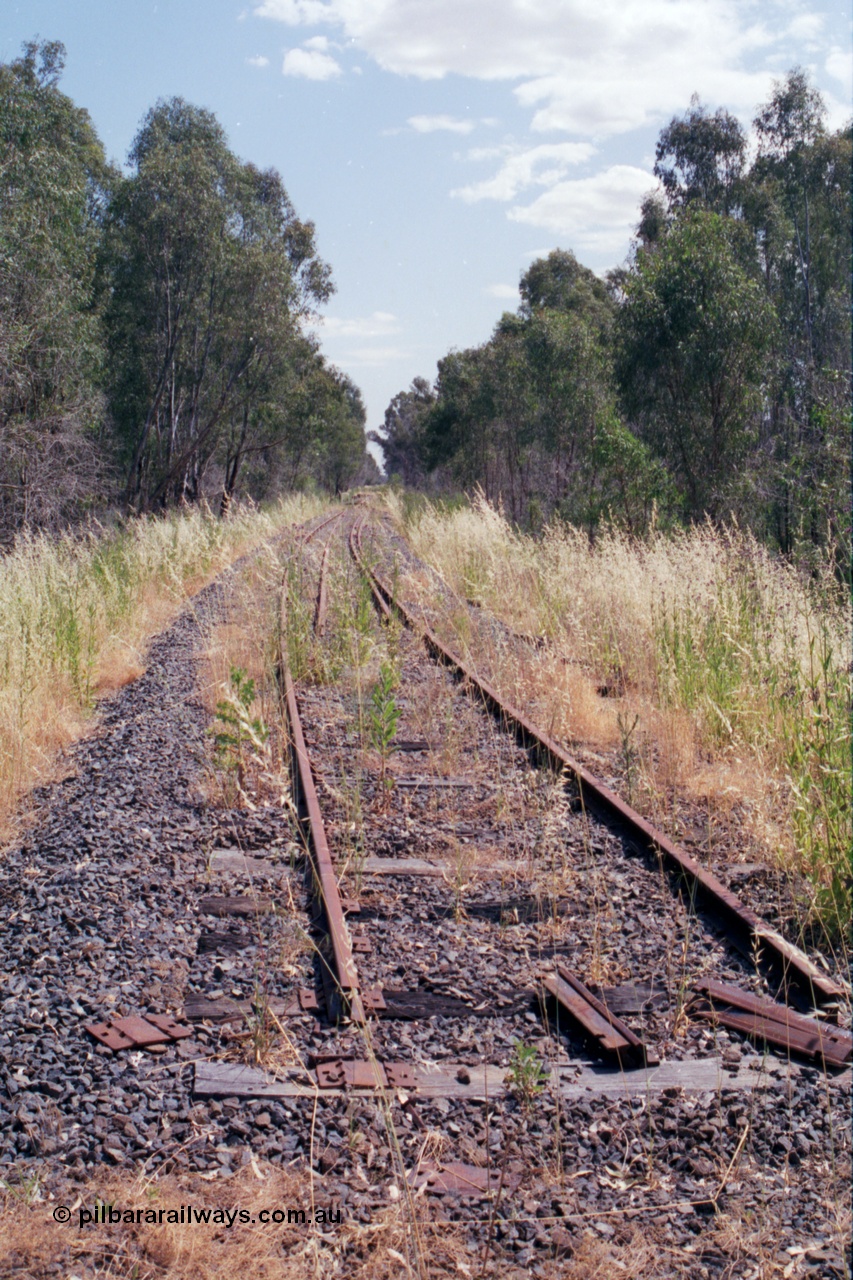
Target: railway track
561,993
796,974
459,967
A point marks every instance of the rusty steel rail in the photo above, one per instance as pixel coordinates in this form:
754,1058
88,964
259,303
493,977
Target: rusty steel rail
297,536
753,935
305,535
776,1024
596,1020
322,595
343,963
345,971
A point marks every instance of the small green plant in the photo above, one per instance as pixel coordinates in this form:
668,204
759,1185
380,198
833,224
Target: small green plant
261,1029
383,715
351,832
526,1076
241,735
297,639
24,1188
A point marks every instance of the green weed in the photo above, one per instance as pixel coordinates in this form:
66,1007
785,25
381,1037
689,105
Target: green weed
241,735
384,712
383,715
527,1075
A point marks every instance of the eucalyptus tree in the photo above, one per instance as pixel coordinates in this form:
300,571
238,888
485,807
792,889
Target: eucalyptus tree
309,427
565,318
451,432
708,375
695,331
340,441
274,276
53,183
701,158
402,437
798,204
531,415
210,272
559,283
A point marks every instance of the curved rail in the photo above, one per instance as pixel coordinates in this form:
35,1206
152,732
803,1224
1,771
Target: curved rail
306,535
747,930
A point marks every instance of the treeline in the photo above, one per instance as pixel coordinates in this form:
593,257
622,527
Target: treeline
710,376
153,347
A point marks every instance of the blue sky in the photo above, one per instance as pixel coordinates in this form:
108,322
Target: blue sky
438,145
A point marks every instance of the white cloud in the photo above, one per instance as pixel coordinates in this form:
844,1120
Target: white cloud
594,214
320,43
295,12
806,28
375,357
602,68
355,342
379,324
487,153
259,61
589,71
310,64
433,124
839,64
509,292
541,166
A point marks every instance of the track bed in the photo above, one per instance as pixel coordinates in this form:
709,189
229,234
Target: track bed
468,873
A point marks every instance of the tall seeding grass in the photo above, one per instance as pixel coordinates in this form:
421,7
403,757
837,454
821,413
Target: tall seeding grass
76,612
706,626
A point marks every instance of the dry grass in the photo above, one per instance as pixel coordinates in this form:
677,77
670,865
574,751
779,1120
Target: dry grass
738,1242
706,670
405,1235
77,613
32,1244
242,648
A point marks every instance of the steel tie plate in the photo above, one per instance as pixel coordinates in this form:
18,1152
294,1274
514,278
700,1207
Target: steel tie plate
363,1074
109,1035
456,1178
308,1000
400,1075
351,1073
174,1030
330,1075
141,1031
373,1000
135,1033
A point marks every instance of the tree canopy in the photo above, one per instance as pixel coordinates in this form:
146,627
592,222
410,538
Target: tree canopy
694,333
54,183
709,376
152,324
